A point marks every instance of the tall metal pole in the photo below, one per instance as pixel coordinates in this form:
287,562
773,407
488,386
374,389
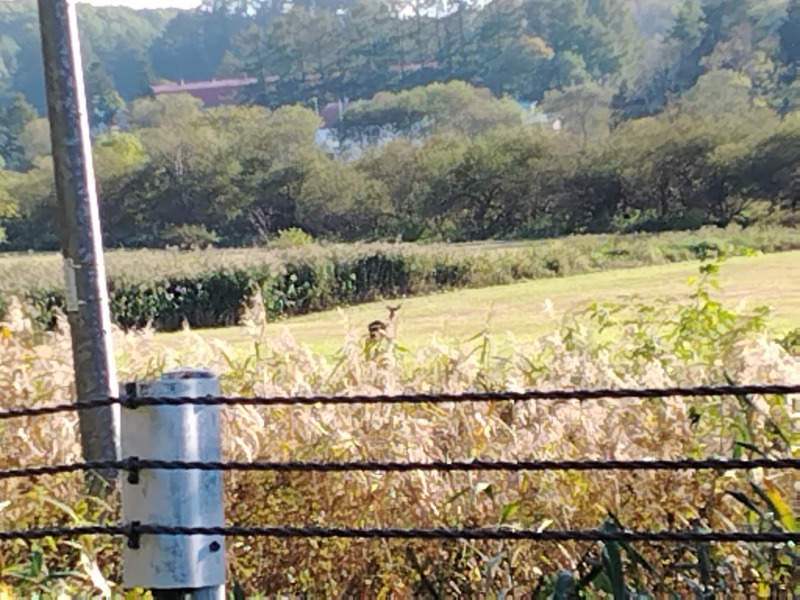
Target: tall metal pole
81,239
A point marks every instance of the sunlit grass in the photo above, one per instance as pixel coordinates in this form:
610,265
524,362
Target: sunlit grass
522,312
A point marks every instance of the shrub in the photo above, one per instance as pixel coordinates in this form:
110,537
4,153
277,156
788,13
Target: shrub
187,236
294,237
791,342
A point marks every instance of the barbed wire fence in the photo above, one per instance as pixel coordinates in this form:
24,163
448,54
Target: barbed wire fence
185,389
160,444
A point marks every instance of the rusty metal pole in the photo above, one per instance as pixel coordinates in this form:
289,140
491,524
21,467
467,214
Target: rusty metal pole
81,239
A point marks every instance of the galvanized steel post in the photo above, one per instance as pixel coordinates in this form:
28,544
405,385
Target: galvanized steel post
81,239
174,566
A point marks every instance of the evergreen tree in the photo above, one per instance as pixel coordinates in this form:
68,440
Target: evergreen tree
15,115
687,29
789,35
103,99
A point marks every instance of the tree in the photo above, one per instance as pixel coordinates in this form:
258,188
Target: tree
418,112
602,32
229,65
139,75
527,63
193,42
15,115
8,62
8,206
720,19
104,101
769,167
437,162
493,190
706,34
498,27
789,35
164,111
705,99
395,165
584,194
688,27
368,50
339,200
583,109
117,153
567,68
35,139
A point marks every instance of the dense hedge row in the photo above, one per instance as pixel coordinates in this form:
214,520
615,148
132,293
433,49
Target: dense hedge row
319,280
215,296
218,298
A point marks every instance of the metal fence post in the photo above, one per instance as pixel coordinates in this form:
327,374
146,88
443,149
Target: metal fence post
174,566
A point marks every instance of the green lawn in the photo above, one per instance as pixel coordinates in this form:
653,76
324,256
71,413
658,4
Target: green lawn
520,308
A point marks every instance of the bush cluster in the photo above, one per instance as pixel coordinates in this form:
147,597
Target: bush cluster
234,176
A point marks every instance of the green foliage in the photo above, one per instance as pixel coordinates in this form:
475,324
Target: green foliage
701,332
15,115
217,299
294,237
789,33
418,112
698,339
648,140
791,342
186,236
519,48
236,175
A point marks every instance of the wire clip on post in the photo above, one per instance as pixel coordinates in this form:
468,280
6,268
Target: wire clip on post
181,498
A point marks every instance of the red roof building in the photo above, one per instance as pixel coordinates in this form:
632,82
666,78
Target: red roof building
211,92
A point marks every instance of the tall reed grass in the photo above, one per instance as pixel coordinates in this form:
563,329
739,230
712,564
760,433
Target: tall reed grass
630,343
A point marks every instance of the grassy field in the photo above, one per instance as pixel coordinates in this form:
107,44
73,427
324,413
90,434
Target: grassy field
522,312
20,270
208,288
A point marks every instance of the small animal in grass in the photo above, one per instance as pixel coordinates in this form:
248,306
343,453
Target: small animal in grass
378,329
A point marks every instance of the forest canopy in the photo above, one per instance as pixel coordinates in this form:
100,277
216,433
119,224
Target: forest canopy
519,118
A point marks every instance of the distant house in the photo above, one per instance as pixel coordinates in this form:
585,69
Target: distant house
212,92
535,116
413,67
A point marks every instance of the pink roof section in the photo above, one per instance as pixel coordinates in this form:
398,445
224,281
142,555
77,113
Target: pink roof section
197,85
211,92
329,113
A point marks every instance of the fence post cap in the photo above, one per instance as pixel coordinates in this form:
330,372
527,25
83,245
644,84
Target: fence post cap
197,373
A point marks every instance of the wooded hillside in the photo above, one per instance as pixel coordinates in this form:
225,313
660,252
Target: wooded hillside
672,115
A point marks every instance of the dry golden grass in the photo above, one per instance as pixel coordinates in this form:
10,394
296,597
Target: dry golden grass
635,350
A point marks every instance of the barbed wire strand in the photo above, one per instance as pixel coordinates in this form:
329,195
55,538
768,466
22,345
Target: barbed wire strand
135,530
135,464
417,398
